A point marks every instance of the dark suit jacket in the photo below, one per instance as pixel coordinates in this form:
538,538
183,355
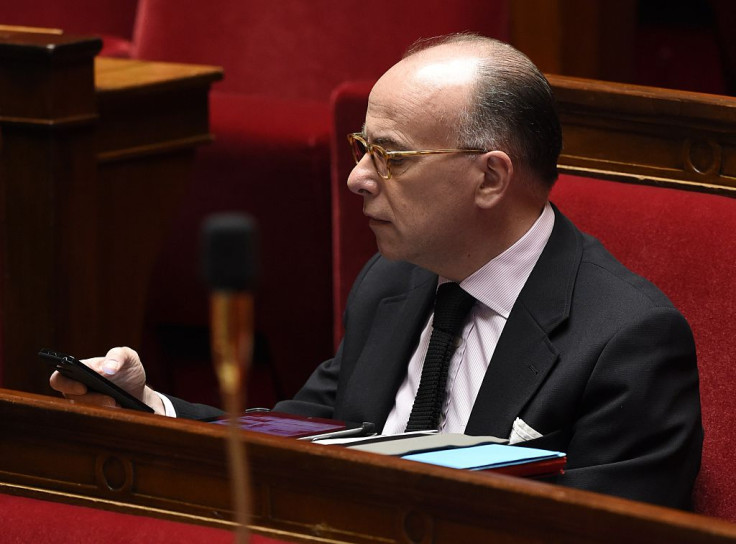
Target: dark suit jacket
593,357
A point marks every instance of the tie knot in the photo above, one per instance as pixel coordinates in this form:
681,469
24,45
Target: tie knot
451,307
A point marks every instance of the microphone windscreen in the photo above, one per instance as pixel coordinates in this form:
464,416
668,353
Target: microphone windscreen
230,252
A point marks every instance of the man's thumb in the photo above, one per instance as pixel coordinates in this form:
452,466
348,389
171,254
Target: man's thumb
111,366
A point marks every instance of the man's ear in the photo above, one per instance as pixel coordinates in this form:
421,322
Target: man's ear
497,173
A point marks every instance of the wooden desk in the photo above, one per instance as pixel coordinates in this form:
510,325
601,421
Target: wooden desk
94,157
175,469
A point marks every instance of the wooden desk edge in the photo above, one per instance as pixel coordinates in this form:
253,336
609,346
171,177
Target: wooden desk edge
117,75
285,470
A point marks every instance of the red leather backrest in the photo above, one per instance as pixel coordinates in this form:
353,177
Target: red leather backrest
299,49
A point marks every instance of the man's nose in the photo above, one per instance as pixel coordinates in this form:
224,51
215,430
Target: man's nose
363,178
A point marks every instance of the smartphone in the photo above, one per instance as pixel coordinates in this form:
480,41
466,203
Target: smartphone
75,369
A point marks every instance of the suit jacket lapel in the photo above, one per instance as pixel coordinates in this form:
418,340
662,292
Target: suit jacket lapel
524,355
381,367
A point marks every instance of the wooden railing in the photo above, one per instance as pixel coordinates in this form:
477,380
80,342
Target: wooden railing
647,135
168,468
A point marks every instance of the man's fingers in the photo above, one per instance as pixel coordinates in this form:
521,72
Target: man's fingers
93,399
67,386
120,365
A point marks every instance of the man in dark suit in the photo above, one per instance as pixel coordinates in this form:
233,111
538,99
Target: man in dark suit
563,347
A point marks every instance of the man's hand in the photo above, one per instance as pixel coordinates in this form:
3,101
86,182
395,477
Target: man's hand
121,366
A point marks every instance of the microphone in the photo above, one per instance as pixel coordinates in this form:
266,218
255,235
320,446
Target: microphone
230,270
229,249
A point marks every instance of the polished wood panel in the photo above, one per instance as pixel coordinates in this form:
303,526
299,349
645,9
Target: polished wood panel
647,135
95,155
153,116
175,469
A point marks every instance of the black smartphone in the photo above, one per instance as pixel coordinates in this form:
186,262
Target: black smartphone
75,369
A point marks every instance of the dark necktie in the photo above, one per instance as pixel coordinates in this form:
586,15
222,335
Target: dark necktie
451,308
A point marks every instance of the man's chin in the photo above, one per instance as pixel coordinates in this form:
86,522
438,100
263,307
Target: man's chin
390,246
389,252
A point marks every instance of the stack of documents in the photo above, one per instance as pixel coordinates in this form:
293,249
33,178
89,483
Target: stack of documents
463,452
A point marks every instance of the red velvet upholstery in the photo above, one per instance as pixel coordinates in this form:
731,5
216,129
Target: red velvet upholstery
683,242
113,20
270,117
303,50
43,522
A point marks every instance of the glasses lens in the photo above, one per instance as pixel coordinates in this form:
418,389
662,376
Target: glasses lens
380,161
358,147
377,153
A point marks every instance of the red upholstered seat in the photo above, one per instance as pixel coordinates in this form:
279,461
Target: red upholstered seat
682,241
271,158
302,50
113,20
352,241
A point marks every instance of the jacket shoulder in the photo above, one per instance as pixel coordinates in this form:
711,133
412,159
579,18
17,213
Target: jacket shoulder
382,278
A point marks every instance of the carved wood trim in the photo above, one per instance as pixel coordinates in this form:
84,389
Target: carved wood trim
646,135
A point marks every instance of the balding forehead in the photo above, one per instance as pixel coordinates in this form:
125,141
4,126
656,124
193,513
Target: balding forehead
454,71
442,67
420,98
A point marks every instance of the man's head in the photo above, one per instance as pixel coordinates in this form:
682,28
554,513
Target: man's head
511,105
452,212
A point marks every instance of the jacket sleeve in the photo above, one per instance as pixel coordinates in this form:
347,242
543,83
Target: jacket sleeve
318,395
188,410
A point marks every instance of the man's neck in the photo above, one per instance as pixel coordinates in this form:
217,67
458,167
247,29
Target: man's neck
488,243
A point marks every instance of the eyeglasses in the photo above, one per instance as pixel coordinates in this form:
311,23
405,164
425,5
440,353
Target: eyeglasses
382,159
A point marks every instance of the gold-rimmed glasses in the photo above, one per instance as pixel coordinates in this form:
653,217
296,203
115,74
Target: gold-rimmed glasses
382,159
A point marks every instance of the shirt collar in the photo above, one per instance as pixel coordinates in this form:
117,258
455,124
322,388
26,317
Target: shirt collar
498,283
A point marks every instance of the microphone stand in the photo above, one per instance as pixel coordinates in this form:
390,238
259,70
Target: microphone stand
232,348
230,267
